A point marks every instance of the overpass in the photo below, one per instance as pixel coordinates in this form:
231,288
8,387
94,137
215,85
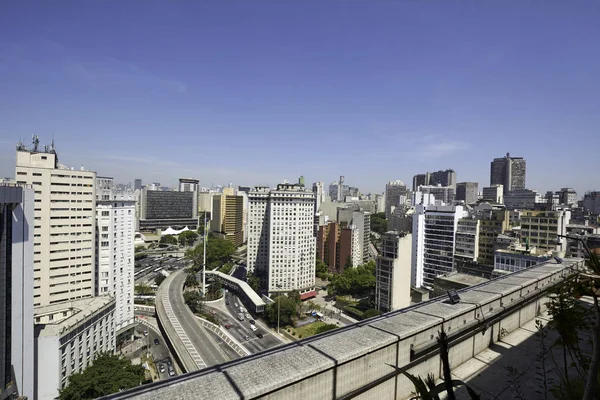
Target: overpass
358,361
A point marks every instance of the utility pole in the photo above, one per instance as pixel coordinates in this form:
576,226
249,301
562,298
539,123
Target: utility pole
204,266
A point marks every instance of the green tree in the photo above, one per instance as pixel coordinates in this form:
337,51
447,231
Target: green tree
108,374
371,312
159,279
378,223
287,311
188,238
143,290
253,281
325,328
168,239
359,281
191,281
139,248
193,301
218,252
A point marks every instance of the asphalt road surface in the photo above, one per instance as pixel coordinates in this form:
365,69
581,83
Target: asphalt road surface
212,350
160,352
227,314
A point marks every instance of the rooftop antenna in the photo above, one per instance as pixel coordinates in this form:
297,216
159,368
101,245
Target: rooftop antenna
36,143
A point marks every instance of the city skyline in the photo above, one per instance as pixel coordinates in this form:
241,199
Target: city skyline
249,94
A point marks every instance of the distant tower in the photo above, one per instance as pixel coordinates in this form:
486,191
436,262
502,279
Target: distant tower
301,180
508,171
340,188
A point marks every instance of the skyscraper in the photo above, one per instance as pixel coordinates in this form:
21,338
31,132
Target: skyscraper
392,274
508,171
393,191
318,189
137,184
281,240
16,292
65,207
227,219
443,178
467,192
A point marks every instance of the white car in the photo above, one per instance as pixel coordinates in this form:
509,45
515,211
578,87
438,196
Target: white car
253,327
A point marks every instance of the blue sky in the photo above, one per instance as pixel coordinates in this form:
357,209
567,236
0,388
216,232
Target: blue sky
254,92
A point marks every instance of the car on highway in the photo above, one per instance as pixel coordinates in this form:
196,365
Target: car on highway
252,322
246,337
248,316
235,304
227,326
156,342
259,335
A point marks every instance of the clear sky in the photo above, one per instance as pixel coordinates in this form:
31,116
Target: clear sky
254,92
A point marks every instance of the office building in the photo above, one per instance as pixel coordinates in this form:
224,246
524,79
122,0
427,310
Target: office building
516,258
115,234
362,221
420,180
392,274
281,242
443,194
467,192
466,246
591,202
394,190
189,185
522,199
433,232
68,337
227,218
163,209
494,194
137,184
318,189
567,196
16,291
443,178
541,228
493,221
509,172
64,225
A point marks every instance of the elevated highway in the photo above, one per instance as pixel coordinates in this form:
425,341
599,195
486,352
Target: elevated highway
358,361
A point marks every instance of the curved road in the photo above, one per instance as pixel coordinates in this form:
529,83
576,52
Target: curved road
207,345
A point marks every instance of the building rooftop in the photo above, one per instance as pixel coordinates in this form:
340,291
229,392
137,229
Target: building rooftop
77,311
465,279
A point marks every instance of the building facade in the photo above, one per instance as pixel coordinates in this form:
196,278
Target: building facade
444,194
115,234
521,199
591,202
362,221
467,192
64,226
392,274
162,209
281,242
443,178
394,190
494,194
434,229
68,338
227,219
493,221
189,185
16,291
541,228
466,245
509,172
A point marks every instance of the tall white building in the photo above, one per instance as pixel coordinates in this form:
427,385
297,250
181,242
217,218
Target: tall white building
434,229
281,242
16,291
318,189
64,225
115,221
392,274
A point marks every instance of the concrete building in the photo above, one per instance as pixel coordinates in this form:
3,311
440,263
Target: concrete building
522,199
420,180
228,218
68,336
466,246
380,201
394,190
567,196
162,209
318,189
587,233
444,194
443,178
189,185
16,291
493,221
205,203
542,227
467,192
362,221
508,171
339,245
494,194
137,184
591,202
517,259
115,234
392,274
281,242
64,225
433,232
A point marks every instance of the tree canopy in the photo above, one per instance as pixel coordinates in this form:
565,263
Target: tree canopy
378,223
108,374
188,238
253,281
287,311
143,290
193,301
218,252
359,281
159,279
168,239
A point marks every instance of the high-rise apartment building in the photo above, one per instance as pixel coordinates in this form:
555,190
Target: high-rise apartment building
466,246
541,228
115,234
64,225
137,184
508,171
591,202
493,221
339,246
16,292
392,274
281,242
227,219
467,192
494,194
394,190
362,221
189,185
434,229
318,189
